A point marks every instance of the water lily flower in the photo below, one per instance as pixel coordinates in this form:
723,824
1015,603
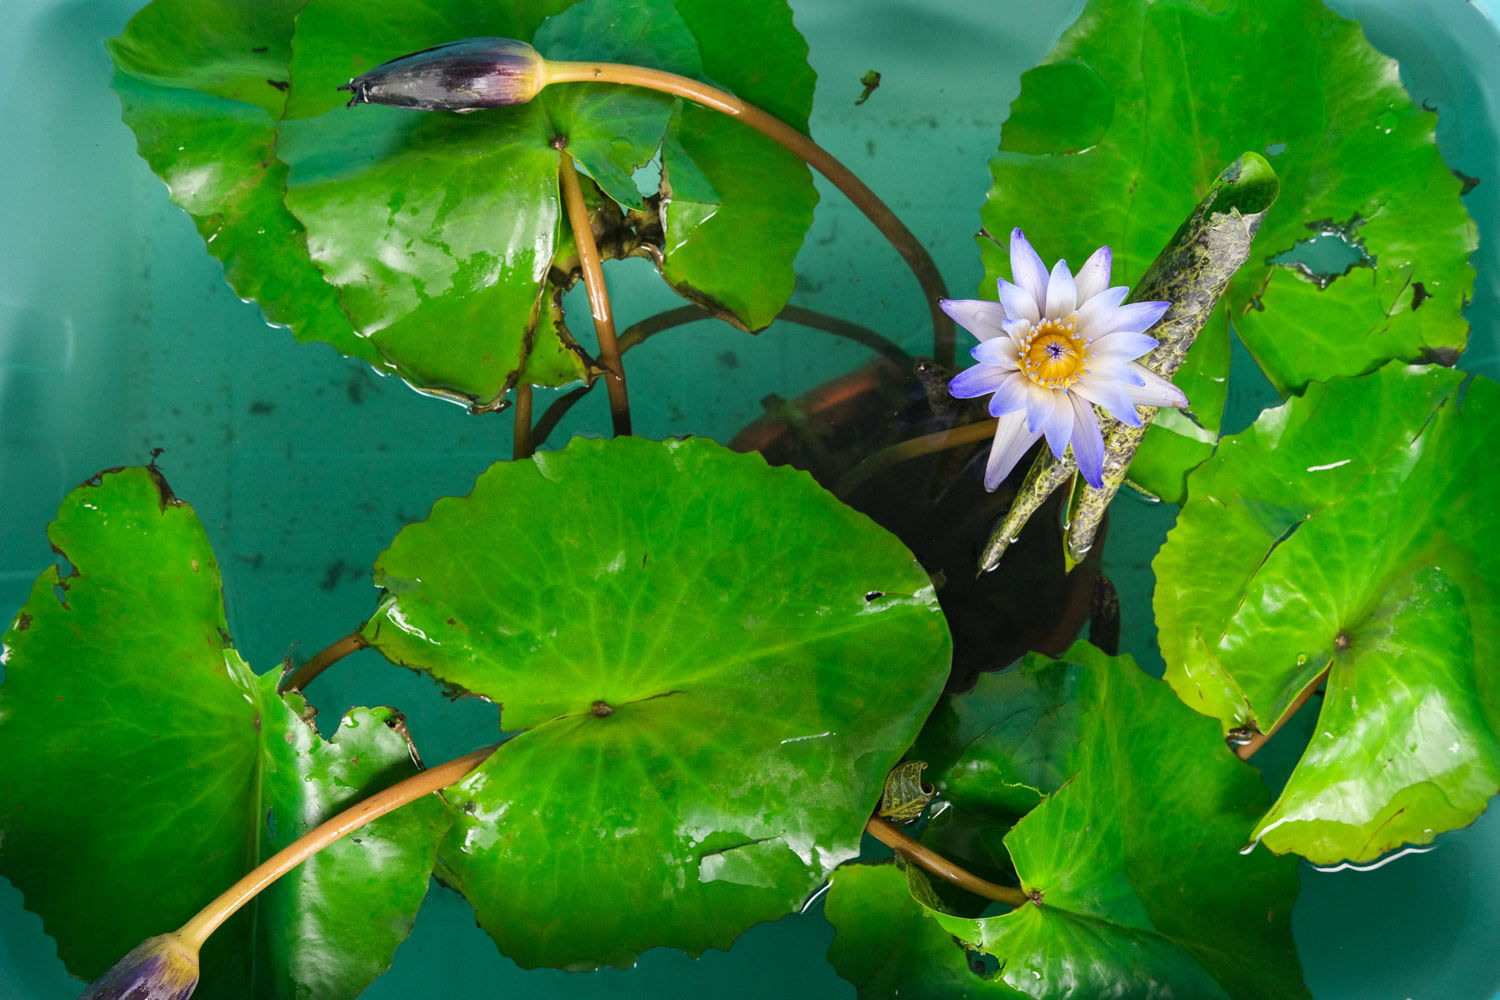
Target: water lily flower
1051,349
160,968
460,76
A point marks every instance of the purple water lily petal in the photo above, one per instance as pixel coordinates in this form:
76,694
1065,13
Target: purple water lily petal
1001,351
1154,390
1100,307
1110,369
1088,443
983,319
1105,373
159,968
976,381
1123,344
1062,294
1027,268
1093,277
1018,302
1137,317
1012,394
1110,395
1058,424
1012,439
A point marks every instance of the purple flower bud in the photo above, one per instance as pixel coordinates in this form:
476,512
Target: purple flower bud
460,76
159,968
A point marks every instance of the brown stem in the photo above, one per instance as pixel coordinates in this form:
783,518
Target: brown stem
894,230
196,931
593,279
941,866
521,441
304,674
559,409
639,333
1245,750
913,448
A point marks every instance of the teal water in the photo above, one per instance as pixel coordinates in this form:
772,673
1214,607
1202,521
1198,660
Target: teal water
118,336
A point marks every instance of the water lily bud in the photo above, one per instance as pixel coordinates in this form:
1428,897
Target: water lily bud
159,968
460,76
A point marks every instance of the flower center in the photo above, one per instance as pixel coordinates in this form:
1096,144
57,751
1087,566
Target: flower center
1053,354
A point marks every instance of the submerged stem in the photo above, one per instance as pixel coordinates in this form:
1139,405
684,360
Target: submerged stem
941,866
304,674
913,448
894,230
638,333
1245,750
593,279
196,931
521,436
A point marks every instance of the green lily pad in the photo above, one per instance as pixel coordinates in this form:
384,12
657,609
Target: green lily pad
888,945
148,768
1127,121
1178,442
428,244
1349,530
990,772
1132,865
450,222
1005,768
686,636
737,205
204,84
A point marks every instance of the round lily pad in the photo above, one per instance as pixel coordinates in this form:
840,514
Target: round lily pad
1131,861
204,84
147,768
1350,531
714,663
1115,136
429,243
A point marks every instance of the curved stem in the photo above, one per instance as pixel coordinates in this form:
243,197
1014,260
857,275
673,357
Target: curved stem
196,931
304,674
559,409
894,230
941,866
593,279
913,448
521,436
849,331
1245,750
647,328
639,333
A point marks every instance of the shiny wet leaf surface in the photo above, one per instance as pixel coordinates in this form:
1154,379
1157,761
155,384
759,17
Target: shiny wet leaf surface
1137,108
148,768
1133,861
1350,530
429,244
714,663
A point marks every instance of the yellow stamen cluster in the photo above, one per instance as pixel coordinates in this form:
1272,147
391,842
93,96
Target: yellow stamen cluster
1053,353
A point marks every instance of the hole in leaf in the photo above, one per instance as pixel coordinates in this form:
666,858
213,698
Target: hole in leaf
1275,148
1331,252
982,965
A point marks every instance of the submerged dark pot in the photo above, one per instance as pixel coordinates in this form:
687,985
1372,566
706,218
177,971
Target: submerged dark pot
938,506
